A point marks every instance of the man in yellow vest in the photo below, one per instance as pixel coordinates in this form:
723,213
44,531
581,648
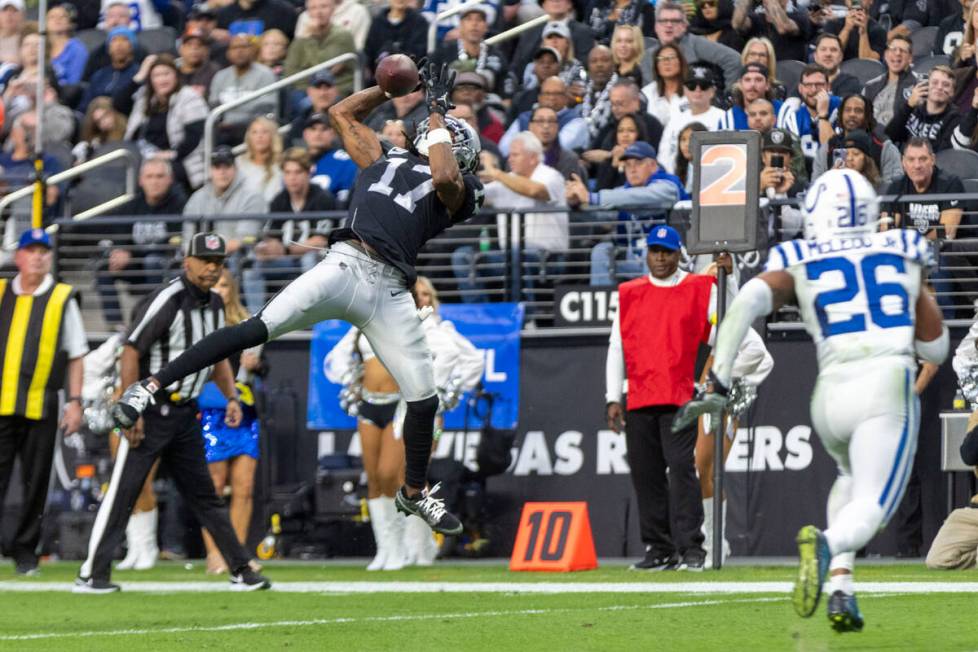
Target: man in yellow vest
42,340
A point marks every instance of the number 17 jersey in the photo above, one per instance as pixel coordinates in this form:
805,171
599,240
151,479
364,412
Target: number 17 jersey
857,295
395,208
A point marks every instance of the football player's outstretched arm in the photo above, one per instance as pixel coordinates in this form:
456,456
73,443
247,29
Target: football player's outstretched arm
445,174
758,298
359,140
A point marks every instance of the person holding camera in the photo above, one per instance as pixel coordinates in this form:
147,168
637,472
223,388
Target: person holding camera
777,179
929,113
861,36
788,28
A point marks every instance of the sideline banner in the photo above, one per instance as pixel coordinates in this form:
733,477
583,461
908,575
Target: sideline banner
494,328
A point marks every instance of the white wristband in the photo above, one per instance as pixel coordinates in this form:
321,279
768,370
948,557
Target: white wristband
437,136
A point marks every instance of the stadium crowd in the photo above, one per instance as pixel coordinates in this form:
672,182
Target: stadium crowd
592,109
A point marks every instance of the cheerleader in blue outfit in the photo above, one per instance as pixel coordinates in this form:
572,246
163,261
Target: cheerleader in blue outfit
232,453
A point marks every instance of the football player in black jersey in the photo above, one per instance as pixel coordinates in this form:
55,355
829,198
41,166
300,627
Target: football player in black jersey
401,199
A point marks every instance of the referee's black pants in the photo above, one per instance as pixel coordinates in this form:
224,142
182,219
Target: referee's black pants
670,509
33,441
176,437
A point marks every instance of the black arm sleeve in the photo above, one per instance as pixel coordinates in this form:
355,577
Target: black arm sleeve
474,196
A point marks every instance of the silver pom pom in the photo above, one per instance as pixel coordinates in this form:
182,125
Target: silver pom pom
741,397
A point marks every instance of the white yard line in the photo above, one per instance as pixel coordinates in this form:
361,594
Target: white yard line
371,619
702,587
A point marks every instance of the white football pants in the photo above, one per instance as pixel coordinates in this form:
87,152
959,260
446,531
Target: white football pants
373,296
867,416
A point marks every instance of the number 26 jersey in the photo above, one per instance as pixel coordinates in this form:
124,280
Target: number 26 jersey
857,295
395,209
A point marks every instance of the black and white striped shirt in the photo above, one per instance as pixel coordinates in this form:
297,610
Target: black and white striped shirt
167,323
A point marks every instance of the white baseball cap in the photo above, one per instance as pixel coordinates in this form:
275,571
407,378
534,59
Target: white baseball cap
16,4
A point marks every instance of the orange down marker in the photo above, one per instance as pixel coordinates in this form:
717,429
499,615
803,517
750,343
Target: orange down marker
554,537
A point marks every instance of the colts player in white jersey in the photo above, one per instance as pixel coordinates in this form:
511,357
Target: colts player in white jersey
860,293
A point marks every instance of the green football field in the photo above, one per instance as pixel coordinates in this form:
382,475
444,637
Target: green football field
456,606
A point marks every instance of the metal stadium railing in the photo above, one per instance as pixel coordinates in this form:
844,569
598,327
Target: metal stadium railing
466,263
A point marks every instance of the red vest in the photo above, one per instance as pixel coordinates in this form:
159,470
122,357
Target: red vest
661,330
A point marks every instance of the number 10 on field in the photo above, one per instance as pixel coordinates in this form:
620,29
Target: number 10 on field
554,537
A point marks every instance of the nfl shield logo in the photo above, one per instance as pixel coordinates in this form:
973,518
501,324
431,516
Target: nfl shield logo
661,233
212,242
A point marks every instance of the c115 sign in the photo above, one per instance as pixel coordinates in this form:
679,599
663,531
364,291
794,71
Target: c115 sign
580,305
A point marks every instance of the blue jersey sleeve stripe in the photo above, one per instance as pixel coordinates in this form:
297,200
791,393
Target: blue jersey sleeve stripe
907,251
784,258
797,247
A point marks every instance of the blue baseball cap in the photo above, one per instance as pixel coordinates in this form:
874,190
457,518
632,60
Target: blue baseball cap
639,150
124,32
33,237
665,237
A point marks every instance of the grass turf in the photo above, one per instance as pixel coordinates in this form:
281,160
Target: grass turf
474,621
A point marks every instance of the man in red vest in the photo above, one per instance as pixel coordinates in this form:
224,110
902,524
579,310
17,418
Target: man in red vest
663,318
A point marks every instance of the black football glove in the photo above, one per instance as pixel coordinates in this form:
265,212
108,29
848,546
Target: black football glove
438,85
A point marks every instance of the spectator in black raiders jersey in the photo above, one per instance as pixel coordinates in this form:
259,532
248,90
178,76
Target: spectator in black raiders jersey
934,219
289,245
929,113
937,220
950,33
400,201
140,251
470,53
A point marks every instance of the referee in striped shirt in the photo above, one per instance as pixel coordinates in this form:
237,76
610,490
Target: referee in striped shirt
169,321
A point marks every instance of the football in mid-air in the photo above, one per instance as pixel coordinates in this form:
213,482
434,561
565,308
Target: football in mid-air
397,75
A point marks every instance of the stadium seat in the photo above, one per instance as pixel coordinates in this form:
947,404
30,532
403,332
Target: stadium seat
923,40
91,38
159,40
970,185
61,152
789,74
923,65
863,69
102,183
962,163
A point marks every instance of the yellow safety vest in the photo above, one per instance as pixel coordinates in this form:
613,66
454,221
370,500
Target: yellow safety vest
33,365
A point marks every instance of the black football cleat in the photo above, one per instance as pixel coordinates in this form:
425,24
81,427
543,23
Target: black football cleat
246,579
431,510
133,403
